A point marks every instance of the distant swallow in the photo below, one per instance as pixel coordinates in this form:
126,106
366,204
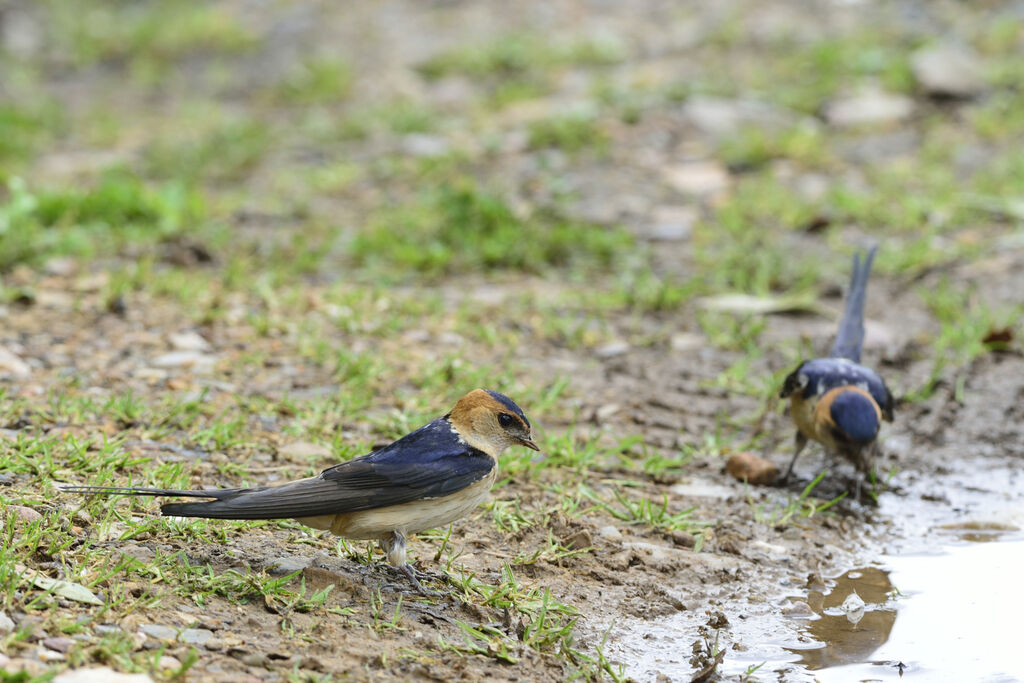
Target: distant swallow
428,478
836,401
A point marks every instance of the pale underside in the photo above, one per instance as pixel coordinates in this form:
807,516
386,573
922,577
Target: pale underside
406,518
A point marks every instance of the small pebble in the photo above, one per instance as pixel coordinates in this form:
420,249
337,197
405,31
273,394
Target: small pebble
60,644
159,631
195,636
751,468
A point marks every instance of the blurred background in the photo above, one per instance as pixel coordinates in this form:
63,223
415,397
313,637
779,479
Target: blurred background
243,240
492,192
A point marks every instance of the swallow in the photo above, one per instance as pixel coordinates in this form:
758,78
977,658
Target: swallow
836,401
429,478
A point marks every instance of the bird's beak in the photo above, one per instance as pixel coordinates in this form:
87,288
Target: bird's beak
528,442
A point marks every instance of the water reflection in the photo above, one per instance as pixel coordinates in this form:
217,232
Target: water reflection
850,628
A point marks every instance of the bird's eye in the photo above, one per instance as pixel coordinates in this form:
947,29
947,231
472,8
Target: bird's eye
505,420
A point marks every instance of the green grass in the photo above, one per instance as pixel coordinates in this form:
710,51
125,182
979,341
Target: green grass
569,132
803,505
519,55
316,81
164,31
463,227
521,67
968,329
26,127
120,211
228,152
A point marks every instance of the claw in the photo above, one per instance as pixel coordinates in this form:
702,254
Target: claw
408,570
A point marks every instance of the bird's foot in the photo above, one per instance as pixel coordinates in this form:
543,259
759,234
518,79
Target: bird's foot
407,571
411,572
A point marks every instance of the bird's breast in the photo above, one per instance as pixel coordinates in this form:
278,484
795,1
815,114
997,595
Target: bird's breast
802,410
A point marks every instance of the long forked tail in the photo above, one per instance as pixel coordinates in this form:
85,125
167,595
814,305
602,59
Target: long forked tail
176,509
851,329
133,491
301,498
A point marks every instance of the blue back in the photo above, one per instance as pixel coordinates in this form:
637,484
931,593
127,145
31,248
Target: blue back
824,374
434,441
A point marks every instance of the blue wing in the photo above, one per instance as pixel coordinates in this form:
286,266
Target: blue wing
824,374
428,463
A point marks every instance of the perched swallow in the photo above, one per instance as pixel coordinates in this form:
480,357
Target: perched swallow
836,401
428,478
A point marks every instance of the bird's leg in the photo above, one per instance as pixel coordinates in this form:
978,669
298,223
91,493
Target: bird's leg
800,441
393,546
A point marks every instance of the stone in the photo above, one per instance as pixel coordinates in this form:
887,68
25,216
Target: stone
703,488
159,631
683,539
12,365
60,266
184,359
610,533
195,636
687,341
671,223
25,514
722,117
870,107
46,655
948,70
853,607
798,610
100,675
304,450
169,662
612,349
59,644
424,146
579,540
6,623
288,564
214,644
697,178
188,341
751,468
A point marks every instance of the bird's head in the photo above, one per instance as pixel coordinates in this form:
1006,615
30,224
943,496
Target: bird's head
491,422
853,414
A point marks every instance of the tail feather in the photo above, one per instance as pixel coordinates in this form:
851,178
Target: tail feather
302,498
851,329
217,494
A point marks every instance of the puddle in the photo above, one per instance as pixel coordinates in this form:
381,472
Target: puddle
945,601
941,601
956,618
852,620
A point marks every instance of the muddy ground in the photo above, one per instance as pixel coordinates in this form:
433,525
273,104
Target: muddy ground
661,392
